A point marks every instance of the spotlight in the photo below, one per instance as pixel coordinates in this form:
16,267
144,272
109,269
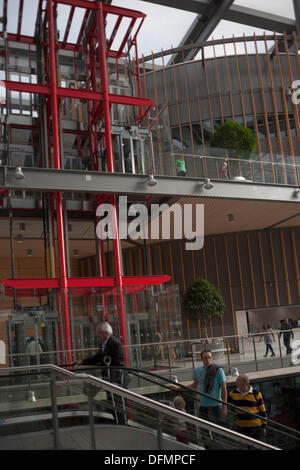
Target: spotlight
29,252
207,184
151,181
75,252
22,227
19,173
297,192
230,218
19,238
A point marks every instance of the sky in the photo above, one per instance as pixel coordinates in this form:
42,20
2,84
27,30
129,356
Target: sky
163,27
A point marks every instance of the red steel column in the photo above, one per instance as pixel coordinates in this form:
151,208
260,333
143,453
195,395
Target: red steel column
110,166
104,87
58,196
53,85
63,276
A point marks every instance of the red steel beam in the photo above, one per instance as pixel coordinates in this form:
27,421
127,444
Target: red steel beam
72,47
27,87
77,282
145,280
77,94
78,3
23,39
130,100
106,8
122,11
110,167
76,292
58,196
125,39
114,32
53,85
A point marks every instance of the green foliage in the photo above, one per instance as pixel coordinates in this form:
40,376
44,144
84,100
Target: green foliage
202,301
239,140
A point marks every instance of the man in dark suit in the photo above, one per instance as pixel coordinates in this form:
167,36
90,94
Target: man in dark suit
110,356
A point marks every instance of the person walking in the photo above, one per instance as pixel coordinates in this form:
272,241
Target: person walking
224,170
180,166
251,401
268,336
210,380
286,331
110,356
33,350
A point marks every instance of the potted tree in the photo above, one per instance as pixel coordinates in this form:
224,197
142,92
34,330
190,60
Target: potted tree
236,141
203,301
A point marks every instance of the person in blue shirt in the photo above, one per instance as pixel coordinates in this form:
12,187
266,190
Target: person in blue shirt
210,379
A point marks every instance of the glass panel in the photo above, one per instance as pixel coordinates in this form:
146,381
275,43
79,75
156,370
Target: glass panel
138,156
277,7
127,155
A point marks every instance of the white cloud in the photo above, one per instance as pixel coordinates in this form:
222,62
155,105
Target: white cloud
165,27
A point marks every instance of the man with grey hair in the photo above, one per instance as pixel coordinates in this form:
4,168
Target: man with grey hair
111,357
251,401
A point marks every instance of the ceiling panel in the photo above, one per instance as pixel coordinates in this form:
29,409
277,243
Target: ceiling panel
220,216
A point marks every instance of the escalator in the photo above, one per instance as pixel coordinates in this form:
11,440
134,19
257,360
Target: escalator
65,408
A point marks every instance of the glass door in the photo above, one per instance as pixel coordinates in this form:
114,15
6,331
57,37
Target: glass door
32,338
127,160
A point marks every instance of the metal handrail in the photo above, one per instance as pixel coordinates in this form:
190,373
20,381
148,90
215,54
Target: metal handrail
172,343
230,159
153,378
159,407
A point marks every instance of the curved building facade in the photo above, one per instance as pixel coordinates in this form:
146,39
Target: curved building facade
252,87
255,260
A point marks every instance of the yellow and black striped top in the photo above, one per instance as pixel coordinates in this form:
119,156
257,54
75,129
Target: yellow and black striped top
251,401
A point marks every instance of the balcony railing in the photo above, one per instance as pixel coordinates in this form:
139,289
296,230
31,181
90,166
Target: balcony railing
44,395
267,169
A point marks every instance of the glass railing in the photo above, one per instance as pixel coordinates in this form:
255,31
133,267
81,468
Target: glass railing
266,168
148,156
159,388
230,352
53,408
278,434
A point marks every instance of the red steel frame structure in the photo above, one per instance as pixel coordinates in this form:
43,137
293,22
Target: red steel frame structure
99,101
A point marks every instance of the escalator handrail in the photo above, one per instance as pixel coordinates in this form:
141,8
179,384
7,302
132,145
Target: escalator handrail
191,393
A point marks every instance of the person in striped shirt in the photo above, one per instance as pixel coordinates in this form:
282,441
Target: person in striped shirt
249,399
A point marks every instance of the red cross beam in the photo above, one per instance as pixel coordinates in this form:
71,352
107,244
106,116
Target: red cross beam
84,282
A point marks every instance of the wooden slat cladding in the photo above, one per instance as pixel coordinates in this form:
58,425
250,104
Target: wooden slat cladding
256,269
253,267
248,81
